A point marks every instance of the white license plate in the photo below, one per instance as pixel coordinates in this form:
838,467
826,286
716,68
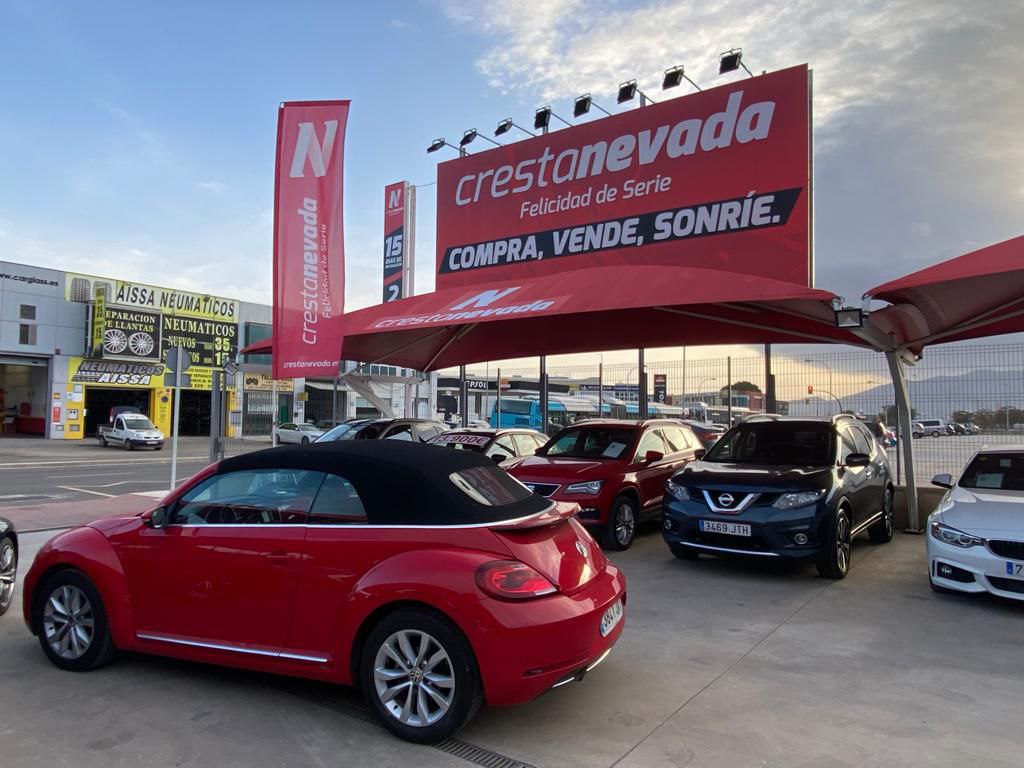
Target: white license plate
611,618
730,529
1015,569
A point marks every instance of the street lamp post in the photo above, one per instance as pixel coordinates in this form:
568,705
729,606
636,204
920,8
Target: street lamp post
831,391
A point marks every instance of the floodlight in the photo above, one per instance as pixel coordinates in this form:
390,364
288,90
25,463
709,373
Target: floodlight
436,144
731,60
542,119
627,91
507,125
849,317
467,137
583,104
675,76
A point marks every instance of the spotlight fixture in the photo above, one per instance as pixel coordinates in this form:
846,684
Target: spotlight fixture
731,60
849,317
437,144
628,92
471,134
675,76
506,125
583,104
542,119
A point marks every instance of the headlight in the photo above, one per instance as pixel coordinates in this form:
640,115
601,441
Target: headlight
677,491
948,535
800,499
591,488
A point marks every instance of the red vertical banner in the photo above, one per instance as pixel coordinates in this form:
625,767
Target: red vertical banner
394,241
309,238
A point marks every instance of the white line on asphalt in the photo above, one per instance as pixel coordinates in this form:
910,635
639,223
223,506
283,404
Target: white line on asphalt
96,462
94,474
82,490
126,482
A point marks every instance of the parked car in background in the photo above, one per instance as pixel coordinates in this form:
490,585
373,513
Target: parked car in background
296,433
886,437
798,488
972,428
932,427
412,430
976,534
8,563
131,430
615,470
957,429
426,577
706,432
497,444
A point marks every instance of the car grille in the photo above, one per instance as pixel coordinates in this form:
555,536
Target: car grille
1011,549
1007,585
543,489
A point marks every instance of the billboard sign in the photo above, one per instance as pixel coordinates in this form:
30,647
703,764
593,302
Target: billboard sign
660,387
394,241
309,256
128,332
718,179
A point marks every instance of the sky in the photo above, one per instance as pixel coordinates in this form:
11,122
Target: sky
137,138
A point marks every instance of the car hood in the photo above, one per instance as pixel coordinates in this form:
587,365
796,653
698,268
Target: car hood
977,510
757,478
567,469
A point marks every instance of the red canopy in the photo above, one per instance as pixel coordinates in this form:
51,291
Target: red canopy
589,310
265,347
978,294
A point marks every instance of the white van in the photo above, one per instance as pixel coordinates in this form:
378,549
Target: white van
933,427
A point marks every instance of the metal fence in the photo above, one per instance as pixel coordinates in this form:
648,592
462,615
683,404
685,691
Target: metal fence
960,383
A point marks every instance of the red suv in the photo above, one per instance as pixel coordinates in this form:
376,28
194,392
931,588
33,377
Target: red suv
615,471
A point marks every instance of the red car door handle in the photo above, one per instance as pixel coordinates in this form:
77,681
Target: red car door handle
279,558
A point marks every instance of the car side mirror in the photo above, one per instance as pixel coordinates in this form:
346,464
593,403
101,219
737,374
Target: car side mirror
699,454
858,460
157,518
652,456
943,481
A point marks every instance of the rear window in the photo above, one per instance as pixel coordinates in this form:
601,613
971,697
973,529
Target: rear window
490,486
775,443
996,471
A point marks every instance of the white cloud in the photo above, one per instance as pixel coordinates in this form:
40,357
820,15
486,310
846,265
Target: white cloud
216,187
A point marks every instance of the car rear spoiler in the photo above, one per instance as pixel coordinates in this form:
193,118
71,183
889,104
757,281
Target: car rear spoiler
559,510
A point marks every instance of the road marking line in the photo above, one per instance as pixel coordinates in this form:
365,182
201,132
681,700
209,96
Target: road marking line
94,474
82,490
96,462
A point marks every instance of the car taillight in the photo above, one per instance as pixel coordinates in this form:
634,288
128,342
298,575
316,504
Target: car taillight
512,580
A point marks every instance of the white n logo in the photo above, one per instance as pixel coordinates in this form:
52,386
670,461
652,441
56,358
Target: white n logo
306,145
395,198
485,298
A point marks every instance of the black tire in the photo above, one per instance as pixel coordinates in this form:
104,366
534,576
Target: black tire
834,560
8,572
684,553
159,447
935,433
305,441
100,648
460,667
129,445
881,532
103,442
939,590
620,531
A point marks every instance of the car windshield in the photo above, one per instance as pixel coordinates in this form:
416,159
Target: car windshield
775,443
591,443
340,432
996,471
138,422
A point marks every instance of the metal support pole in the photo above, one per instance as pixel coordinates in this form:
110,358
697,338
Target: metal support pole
600,390
215,417
463,398
728,391
544,394
899,385
641,385
177,422
273,411
497,399
334,404
770,405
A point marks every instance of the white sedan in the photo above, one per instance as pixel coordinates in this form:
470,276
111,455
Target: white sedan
297,433
976,534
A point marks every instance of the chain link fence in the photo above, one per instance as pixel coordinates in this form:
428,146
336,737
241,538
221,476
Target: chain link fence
962,396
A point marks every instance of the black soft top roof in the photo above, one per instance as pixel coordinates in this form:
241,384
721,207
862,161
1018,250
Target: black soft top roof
399,483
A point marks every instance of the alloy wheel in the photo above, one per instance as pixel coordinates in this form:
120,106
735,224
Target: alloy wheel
625,523
68,622
414,678
843,544
8,571
887,512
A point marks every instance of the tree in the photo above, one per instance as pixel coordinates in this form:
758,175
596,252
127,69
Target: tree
743,386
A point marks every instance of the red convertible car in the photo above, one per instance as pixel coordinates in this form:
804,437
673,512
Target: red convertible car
431,579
